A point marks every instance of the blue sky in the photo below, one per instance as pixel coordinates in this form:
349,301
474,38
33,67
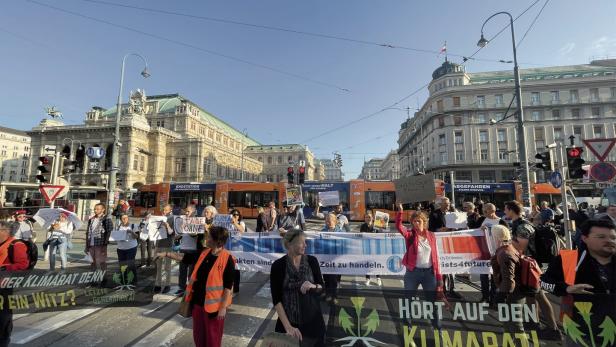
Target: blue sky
51,57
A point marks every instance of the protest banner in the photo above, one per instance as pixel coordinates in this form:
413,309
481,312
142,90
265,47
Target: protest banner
381,220
223,220
294,195
460,252
415,189
156,228
330,198
189,225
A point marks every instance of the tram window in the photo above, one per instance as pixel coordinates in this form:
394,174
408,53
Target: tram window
236,199
380,200
146,199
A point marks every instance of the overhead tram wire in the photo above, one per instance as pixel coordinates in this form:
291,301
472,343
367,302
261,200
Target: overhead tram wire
532,23
292,31
345,125
201,49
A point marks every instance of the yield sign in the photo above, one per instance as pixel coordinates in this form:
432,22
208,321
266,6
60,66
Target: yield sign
600,147
50,193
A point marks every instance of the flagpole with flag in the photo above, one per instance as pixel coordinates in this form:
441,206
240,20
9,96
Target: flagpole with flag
444,50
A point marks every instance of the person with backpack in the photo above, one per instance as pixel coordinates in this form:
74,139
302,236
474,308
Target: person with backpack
13,257
506,268
523,239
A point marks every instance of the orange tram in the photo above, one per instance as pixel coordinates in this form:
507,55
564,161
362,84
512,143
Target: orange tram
357,196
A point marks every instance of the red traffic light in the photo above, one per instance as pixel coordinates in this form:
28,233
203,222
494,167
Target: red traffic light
44,160
302,169
290,169
574,152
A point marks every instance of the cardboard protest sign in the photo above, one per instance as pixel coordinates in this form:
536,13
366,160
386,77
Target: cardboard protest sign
118,235
156,228
189,225
294,196
331,198
381,220
455,220
223,220
415,189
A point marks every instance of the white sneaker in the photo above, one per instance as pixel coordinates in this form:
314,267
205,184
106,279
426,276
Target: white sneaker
368,282
379,282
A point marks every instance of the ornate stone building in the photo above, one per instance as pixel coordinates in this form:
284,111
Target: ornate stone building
163,138
332,171
276,158
14,155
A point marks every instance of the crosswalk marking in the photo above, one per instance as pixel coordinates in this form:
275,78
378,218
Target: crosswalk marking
23,336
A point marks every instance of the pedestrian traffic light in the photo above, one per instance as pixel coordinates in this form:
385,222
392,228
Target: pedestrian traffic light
546,163
575,162
45,169
302,174
290,176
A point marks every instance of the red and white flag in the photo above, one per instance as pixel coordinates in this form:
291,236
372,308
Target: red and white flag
443,49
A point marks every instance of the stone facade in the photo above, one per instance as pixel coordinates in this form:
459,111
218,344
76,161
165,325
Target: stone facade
390,168
372,169
453,129
14,155
276,159
331,171
163,138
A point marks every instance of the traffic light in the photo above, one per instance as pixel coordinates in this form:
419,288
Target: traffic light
338,160
45,169
302,174
547,164
575,162
67,165
290,176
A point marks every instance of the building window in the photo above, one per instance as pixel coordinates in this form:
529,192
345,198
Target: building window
207,167
555,96
290,158
535,98
456,101
594,94
441,140
613,92
556,114
575,113
539,134
484,154
487,176
498,99
536,116
457,120
463,176
503,154
481,118
507,175
269,160
483,136
459,137
460,155
499,116
598,131
558,133
502,135
443,156
279,160
574,96
439,106
180,165
596,111
481,101
260,159
142,163
441,122
578,132
135,162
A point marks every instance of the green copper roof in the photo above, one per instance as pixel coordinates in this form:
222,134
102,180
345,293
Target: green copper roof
167,104
545,73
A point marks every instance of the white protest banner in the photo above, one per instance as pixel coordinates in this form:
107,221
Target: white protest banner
415,189
381,220
157,230
223,220
456,220
294,196
118,235
460,252
189,225
331,198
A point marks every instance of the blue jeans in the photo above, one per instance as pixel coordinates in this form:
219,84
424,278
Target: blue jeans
55,244
427,280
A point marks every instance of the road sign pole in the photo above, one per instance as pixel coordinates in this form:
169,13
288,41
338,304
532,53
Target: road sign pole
54,173
563,192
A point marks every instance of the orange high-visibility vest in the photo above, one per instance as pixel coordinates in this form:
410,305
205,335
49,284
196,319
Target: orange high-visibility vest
569,259
214,288
4,250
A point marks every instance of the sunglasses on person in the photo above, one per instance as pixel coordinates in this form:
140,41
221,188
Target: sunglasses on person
236,215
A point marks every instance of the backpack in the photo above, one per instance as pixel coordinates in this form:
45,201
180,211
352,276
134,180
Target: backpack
530,275
546,244
31,250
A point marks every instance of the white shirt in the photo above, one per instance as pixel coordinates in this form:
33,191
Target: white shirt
65,230
489,222
130,242
424,253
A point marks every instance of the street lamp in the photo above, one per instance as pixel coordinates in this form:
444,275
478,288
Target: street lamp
518,93
115,154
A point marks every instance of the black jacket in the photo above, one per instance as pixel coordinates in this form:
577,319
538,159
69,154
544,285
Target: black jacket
437,220
474,220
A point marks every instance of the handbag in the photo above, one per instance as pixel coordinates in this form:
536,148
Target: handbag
185,309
